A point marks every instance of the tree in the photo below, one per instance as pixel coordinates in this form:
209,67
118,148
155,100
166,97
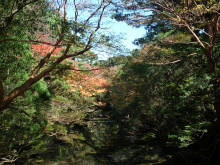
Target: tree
76,31
197,19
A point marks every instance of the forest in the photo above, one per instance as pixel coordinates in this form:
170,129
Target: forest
157,104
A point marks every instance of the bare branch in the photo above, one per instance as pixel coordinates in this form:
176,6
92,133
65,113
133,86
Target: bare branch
76,11
173,62
187,43
91,15
195,36
98,24
5,160
162,6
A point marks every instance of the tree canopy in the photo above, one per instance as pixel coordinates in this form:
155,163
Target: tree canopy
161,99
67,33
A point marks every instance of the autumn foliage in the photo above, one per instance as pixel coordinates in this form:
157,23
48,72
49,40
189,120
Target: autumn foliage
88,84
43,48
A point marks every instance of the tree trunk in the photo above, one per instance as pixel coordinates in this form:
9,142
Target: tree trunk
216,83
217,100
216,89
15,93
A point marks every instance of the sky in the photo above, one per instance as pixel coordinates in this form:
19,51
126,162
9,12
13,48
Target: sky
131,33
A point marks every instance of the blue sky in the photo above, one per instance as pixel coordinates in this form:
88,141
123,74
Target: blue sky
131,33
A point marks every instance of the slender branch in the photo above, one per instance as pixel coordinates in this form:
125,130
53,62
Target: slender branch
5,160
29,41
215,30
173,62
29,115
47,57
37,74
53,65
1,92
195,36
76,10
163,7
79,69
179,42
91,15
64,11
9,19
30,81
42,62
79,52
20,8
98,24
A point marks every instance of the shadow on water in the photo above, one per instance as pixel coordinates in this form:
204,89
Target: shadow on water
92,149
102,144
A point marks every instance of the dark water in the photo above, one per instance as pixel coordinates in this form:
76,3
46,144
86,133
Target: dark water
93,148
100,144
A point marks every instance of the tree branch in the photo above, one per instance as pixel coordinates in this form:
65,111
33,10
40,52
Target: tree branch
215,29
37,74
1,92
9,19
29,41
173,62
195,36
42,62
47,57
80,69
29,115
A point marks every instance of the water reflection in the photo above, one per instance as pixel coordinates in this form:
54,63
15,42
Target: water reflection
100,142
94,149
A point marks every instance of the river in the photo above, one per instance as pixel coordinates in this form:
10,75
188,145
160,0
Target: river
102,144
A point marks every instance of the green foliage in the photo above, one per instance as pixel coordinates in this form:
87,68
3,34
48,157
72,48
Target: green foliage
14,59
17,130
41,88
167,87
161,91
188,135
49,107
149,136
163,99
